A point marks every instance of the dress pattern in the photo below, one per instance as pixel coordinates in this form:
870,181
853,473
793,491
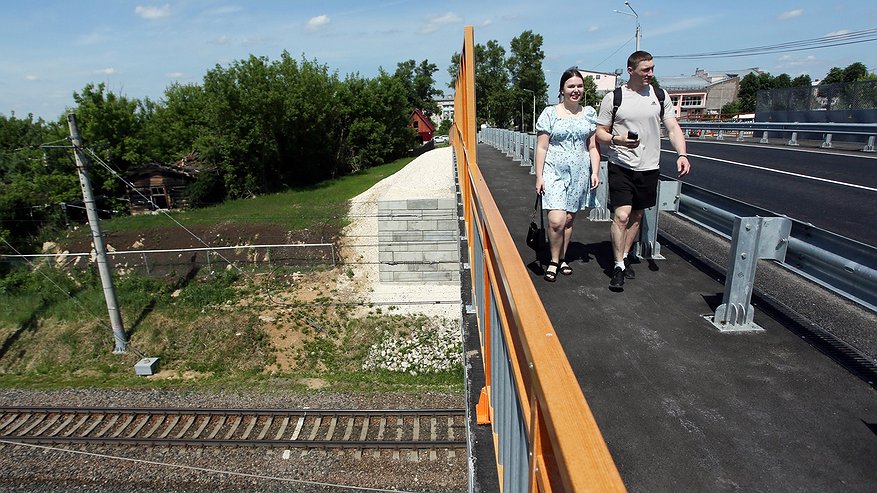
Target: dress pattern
567,169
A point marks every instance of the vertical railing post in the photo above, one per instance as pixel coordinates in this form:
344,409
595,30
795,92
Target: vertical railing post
753,238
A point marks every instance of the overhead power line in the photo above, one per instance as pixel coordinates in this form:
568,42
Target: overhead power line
839,39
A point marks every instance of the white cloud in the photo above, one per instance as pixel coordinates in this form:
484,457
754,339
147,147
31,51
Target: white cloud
838,33
31,77
105,71
593,29
317,22
790,14
151,12
176,75
222,40
436,23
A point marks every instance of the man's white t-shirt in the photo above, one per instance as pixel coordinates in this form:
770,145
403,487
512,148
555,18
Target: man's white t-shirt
639,111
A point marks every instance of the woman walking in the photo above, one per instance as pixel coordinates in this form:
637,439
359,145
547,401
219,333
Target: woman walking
567,166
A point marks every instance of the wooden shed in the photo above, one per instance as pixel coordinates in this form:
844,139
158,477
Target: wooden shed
424,126
156,186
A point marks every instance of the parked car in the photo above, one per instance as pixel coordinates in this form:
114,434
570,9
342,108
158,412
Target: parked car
440,139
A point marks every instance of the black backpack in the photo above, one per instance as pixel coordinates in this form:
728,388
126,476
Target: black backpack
616,102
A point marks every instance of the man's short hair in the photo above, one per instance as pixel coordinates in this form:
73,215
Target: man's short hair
636,57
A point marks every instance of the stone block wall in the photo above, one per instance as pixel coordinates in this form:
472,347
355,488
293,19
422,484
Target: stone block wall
418,241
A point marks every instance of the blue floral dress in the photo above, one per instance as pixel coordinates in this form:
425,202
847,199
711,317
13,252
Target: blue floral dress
567,170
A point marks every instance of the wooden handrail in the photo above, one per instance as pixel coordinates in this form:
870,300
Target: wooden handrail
567,449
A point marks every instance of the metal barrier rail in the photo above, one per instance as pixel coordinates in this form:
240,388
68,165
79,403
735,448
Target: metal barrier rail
545,435
836,262
827,130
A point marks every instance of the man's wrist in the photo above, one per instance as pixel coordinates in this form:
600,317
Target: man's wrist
682,155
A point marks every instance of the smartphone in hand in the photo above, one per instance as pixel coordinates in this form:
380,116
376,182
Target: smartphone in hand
632,135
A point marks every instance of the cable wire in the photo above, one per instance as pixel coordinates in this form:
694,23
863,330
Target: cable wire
831,40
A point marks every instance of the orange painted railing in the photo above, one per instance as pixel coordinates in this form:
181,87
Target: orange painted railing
545,436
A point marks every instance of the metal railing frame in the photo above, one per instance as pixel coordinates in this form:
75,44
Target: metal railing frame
828,130
545,436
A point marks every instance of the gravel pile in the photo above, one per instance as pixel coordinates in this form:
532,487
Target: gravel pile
178,469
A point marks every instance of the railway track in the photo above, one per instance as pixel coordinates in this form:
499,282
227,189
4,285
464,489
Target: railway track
287,428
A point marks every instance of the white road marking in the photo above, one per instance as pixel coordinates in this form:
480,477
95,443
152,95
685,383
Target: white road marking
798,175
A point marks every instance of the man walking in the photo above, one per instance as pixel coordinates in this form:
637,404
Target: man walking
629,123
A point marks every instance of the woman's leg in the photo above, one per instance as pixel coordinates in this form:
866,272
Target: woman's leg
557,233
567,235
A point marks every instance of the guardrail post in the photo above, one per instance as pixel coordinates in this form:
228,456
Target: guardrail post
869,147
740,137
601,212
764,139
721,135
753,238
794,140
533,151
668,200
826,143
517,152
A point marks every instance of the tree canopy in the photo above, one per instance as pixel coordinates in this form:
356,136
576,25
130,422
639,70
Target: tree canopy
256,125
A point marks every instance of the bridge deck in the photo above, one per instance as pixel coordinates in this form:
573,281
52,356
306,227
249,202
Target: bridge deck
682,406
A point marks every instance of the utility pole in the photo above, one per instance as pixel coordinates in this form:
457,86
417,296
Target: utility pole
97,238
533,128
639,34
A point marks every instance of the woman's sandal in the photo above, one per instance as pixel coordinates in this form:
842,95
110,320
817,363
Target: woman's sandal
549,275
565,269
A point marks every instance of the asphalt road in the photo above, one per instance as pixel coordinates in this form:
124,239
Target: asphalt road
835,191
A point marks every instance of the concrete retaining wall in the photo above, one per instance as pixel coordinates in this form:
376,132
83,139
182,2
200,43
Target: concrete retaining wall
419,241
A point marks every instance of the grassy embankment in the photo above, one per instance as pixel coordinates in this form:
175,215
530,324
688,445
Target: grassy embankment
210,331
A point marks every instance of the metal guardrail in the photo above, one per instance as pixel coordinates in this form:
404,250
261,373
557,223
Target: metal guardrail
545,435
838,263
843,265
828,130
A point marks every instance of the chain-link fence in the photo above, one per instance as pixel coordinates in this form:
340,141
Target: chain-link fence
829,97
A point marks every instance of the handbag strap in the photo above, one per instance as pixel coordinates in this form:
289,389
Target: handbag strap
537,207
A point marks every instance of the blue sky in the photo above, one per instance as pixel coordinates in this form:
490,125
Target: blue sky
52,48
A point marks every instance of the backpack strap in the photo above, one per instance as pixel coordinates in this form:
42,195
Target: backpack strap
616,102
662,95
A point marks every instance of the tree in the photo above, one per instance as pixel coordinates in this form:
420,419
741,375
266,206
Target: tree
781,81
590,92
802,80
419,84
424,87
855,72
525,70
834,76
749,87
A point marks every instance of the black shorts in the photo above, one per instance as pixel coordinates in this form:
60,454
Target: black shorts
638,189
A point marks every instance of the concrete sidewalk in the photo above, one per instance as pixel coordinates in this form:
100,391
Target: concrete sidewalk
682,406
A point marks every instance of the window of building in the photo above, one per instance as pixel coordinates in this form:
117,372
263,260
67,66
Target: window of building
597,76
674,100
692,100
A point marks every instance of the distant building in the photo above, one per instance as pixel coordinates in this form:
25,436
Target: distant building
705,92
604,80
156,186
424,126
446,109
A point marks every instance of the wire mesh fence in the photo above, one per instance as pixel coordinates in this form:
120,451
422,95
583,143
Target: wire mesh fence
830,97
174,262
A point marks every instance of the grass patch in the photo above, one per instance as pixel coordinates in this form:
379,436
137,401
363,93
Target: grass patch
212,329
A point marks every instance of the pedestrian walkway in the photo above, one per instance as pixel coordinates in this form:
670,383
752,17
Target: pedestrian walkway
681,406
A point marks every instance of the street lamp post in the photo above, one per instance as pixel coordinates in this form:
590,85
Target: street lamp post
639,34
533,128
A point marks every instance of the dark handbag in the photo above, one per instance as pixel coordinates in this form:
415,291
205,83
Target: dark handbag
536,233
